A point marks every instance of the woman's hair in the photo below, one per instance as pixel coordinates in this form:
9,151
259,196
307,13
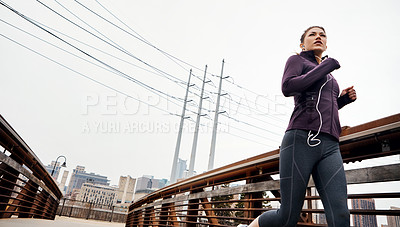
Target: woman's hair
308,29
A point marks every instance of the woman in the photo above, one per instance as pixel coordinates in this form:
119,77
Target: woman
310,145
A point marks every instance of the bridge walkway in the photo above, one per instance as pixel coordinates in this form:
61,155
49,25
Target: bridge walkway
58,222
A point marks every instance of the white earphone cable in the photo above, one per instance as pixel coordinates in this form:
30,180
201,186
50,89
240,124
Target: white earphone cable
312,137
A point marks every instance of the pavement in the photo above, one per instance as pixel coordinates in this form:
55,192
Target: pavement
58,222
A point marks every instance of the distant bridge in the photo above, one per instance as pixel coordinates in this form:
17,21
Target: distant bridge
210,199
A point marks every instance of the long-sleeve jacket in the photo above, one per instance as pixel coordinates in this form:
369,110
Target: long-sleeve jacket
309,81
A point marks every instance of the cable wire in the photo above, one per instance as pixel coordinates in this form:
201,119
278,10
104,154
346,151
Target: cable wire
105,41
153,46
152,89
87,77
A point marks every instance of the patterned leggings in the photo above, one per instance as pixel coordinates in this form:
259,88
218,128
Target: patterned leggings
297,162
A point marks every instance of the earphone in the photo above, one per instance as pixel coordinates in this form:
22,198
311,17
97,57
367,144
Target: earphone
311,137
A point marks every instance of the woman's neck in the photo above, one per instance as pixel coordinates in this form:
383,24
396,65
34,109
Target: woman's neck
318,58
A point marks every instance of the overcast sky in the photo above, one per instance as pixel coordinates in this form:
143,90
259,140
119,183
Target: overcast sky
77,106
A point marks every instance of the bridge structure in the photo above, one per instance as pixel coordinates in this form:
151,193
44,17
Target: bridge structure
237,193
227,196
26,189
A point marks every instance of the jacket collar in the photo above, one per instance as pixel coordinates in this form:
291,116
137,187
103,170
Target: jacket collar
309,55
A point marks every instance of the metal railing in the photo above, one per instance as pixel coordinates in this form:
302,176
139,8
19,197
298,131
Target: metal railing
26,189
91,210
239,192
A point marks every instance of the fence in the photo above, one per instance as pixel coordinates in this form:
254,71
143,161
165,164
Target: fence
90,210
239,192
26,189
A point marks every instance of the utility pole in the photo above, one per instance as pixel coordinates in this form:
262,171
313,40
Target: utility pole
196,132
214,134
178,141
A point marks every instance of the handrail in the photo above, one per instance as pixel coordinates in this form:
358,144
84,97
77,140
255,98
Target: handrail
370,140
28,190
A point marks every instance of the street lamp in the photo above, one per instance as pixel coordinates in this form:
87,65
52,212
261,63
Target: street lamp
63,165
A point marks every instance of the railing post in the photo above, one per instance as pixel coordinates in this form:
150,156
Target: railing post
30,199
308,218
209,212
112,212
53,207
62,208
135,218
42,199
193,210
147,216
70,211
8,180
254,195
141,217
90,208
163,220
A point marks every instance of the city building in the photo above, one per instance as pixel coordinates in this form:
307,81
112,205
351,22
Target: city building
393,221
126,190
56,167
63,181
98,194
147,184
181,168
142,192
364,220
80,176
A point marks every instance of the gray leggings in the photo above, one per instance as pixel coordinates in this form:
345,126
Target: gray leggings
297,162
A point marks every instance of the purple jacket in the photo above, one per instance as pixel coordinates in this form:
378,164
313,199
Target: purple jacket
303,78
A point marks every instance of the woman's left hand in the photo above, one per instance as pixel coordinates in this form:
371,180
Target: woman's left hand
351,92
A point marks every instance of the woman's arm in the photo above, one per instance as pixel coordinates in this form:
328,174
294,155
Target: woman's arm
293,82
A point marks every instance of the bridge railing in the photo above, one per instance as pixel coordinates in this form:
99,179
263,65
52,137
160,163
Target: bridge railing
26,189
91,210
237,193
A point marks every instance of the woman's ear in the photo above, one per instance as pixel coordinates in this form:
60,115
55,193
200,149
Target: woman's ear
302,46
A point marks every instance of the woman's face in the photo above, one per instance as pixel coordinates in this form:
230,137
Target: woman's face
315,39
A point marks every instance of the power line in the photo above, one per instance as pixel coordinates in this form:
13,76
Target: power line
257,110
173,79
152,89
153,46
240,129
243,88
141,39
254,126
117,47
118,70
87,77
171,57
96,36
250,140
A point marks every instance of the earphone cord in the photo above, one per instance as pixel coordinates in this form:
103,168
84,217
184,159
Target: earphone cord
312,137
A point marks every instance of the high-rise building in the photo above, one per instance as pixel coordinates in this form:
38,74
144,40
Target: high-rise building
56,167
98,194
80,176
63,181
393,221
181,168
148,182
126,188
364,220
